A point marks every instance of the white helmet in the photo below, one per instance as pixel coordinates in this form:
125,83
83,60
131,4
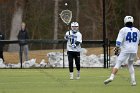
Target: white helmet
128,19
74,26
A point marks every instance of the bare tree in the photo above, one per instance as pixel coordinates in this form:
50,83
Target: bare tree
78,10
56,21
16,22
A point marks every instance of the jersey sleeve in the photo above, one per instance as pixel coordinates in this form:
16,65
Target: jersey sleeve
79,38
139,35
120,38
66,35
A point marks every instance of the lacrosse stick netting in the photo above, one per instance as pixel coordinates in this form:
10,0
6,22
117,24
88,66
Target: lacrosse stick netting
66,16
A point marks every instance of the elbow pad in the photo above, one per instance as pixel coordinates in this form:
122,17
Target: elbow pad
118,43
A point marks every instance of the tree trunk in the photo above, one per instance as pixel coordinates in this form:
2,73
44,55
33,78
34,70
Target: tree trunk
56,21
78,10
16,24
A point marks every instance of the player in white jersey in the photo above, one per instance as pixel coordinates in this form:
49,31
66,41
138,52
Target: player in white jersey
127,42
74,39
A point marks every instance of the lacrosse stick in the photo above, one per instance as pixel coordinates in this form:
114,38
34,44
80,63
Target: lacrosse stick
66,16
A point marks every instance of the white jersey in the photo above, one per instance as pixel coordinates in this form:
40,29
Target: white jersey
73,37
129,39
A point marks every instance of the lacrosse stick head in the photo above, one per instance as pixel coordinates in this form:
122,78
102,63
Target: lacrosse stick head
66,16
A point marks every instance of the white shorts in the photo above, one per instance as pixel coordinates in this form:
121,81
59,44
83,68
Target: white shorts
123,57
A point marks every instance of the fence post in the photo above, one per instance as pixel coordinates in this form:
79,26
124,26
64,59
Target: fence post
20,54
107,46
104,33
109,52
63,55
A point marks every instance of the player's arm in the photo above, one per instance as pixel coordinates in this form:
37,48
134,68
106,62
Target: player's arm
67,36
79,38
119,40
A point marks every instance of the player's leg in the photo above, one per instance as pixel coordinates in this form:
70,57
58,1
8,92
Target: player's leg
131,69
121,58
26,50
77,62
70,59
113,73
1,55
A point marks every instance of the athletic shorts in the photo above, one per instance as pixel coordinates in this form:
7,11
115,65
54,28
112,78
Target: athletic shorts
126,56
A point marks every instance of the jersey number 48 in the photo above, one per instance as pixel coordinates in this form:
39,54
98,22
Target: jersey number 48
131,37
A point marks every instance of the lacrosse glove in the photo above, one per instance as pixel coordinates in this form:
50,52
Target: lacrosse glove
73,45
67,37
117,51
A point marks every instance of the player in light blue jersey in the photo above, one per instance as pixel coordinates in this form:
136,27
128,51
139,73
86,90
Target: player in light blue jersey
127,42
74,40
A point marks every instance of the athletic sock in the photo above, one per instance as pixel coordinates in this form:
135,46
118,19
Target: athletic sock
71,74
78,73
112,76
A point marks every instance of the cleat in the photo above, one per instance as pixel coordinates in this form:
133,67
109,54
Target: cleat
71,76
133,83
108,81
77,77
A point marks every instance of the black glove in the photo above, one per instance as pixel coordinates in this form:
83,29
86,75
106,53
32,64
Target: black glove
67,37
77,43
117,51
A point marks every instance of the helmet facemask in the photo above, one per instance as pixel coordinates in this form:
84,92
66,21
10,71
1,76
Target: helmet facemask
129,24
75,28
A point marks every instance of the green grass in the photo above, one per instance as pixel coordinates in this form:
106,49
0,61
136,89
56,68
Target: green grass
57,81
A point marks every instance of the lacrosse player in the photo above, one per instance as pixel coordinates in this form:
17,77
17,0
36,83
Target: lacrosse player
127,44
74,39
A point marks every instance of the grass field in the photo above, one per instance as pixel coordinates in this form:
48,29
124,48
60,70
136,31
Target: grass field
57,81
